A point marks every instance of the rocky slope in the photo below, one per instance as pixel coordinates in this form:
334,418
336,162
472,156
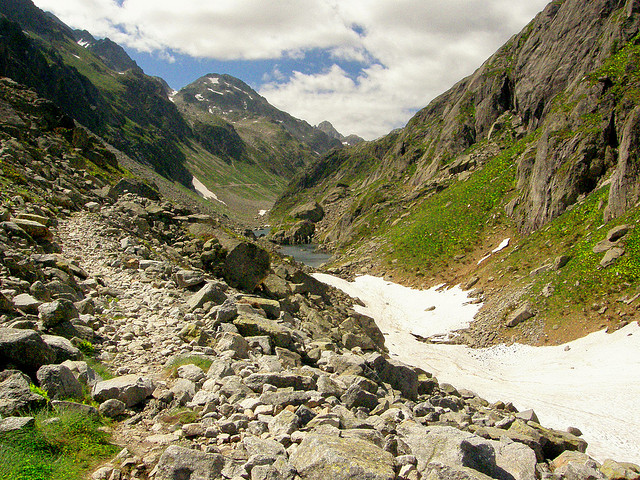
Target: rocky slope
544,129
100,86
330,130
227,361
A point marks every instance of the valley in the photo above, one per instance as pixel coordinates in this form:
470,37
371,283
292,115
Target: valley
471,314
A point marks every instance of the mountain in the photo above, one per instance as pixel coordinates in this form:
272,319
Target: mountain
236,102
243,160
330,130
538,145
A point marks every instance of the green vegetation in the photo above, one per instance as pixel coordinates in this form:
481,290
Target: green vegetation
198,360
582,282
39,391
86,347
452,221
65,446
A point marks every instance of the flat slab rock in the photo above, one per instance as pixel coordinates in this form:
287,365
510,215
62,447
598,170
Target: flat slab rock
321,457
178,463
130,389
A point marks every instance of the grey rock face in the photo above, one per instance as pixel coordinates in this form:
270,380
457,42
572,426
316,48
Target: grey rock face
12,424
130,389
178,463
525,312
112,408
320,457
59,382
233,342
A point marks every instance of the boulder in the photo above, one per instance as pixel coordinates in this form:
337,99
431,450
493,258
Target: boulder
616,233
246,266
311,211
525,312
62,347
254,325
571,465
33,228
458,449
24,349
611,256
59,382
27,303
85,374
130,389
6,305
179,463
270,307
321,457
400,376
112,408
188,278
355,397
212,292
15,394
56,312
233,342
14,424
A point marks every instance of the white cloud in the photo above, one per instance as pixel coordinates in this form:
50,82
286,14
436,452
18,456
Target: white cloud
411,50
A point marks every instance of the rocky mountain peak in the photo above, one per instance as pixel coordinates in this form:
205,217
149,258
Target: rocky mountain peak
330,130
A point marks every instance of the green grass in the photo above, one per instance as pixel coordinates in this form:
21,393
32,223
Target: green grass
199,361
65,449
581,282
452,221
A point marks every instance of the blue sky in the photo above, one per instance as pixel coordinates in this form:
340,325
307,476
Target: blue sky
365,65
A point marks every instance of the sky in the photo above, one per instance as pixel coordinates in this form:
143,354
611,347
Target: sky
364,65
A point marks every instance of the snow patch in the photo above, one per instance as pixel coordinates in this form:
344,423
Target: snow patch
199,97
214,80
262,213
504,244
84,43
204,191
592,383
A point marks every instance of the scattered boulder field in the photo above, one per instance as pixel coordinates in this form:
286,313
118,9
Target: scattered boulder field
225,360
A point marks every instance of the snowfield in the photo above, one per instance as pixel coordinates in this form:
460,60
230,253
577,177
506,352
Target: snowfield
592,383
204,192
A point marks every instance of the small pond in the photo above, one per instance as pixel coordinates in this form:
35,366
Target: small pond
306,254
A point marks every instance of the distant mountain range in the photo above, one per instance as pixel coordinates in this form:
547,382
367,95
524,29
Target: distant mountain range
217,128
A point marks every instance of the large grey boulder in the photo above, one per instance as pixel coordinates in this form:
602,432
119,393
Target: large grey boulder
13,424
24,349
133,185
246,266
83,372
56,312
130,389
59,382
525,312
321,457
15,394
178,463
459,449
399,375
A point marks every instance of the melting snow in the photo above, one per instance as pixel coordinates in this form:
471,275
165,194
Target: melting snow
199,97
504,244
592,383
204,191
84,43
214,80
262,213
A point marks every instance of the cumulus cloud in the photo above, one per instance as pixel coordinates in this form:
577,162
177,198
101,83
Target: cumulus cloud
408,50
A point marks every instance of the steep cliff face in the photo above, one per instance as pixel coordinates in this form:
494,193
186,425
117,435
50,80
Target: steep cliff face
567,84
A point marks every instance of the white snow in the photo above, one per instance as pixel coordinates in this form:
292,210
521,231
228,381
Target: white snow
262,213
214,91
84,43
204,191
214,80
199,97
504,244
592,383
